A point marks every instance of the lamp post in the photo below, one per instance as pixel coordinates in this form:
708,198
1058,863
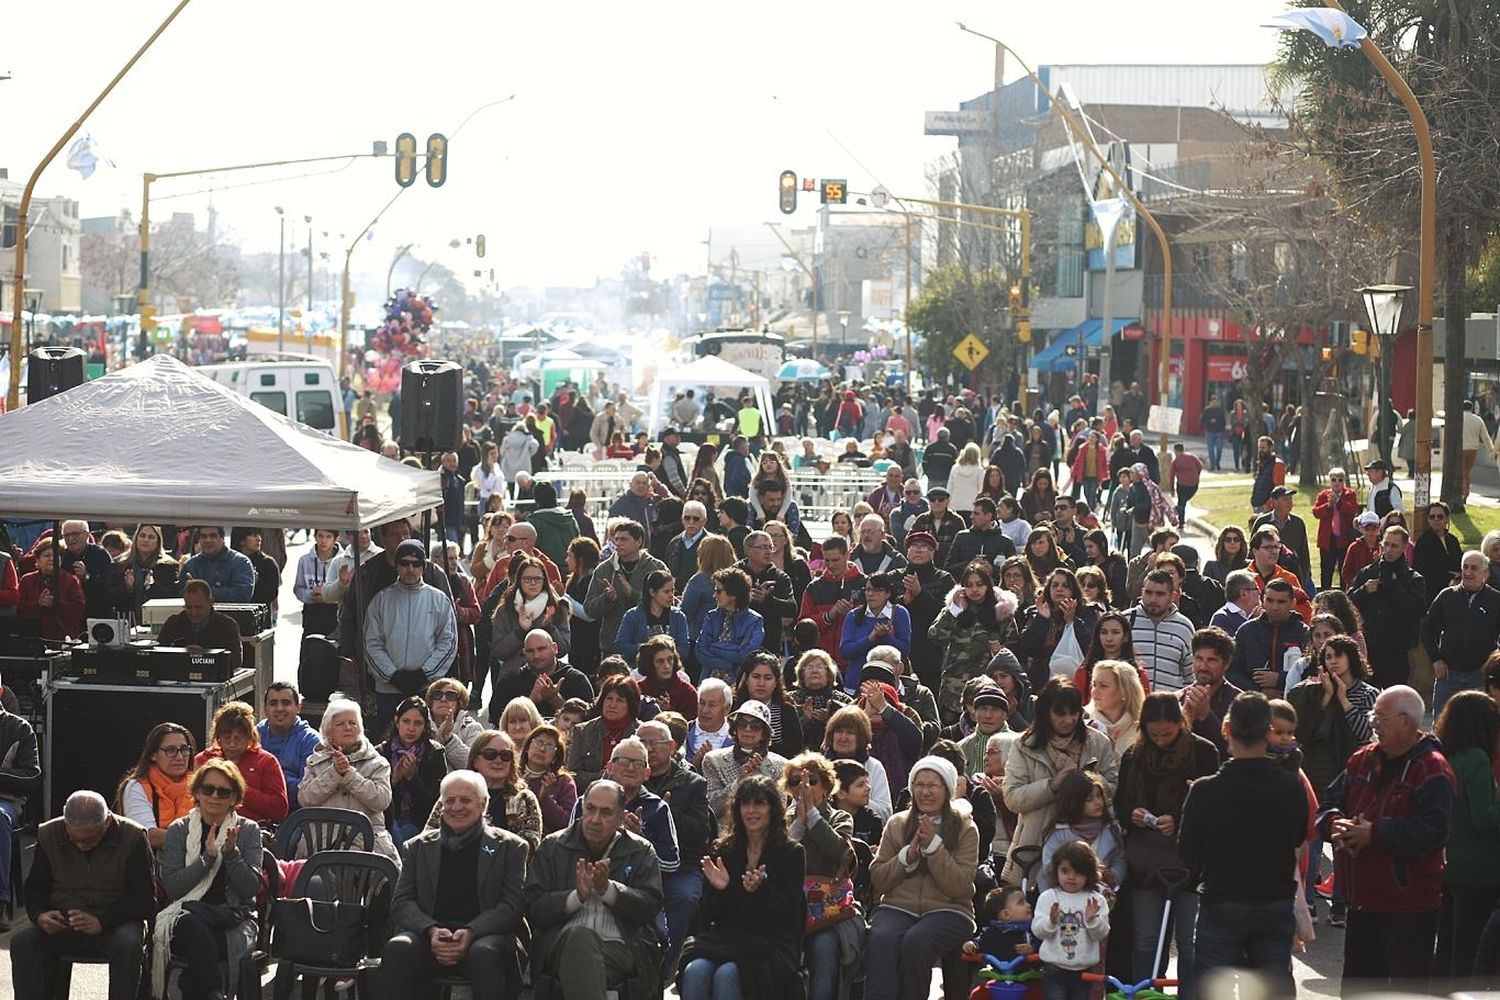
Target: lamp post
281,285
844,315
34,298
1384,305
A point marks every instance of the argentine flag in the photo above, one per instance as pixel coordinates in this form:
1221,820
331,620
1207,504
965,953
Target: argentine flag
1337,29
84,157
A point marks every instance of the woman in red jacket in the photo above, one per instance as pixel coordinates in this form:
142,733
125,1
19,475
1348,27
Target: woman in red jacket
58,603
235,739
1336,509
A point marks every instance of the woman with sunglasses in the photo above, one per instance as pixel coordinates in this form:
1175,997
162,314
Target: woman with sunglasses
417,768
156,792
1230,553
144,573
454,726
234,738
542,768
705,489
512,805
1109,562
210,873
347,772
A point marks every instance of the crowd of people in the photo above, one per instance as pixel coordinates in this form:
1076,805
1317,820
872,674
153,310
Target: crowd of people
687,744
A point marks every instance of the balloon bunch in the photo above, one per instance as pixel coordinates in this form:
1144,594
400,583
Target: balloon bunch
408,317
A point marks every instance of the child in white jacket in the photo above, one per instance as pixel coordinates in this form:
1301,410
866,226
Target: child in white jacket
1072,921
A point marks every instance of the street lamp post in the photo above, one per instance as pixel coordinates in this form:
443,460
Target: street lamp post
844,315
1384,305
281,285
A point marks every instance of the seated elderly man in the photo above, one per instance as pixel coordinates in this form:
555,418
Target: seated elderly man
458,906
89,893
593,893
638,503
646,813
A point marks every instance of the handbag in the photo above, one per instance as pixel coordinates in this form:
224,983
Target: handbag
219,916
829,901
318,932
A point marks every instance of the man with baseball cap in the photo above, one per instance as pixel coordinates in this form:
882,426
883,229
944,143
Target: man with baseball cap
940,522
924,587
1385,495
1291,528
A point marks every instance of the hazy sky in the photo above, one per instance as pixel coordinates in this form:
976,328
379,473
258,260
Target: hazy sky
636,127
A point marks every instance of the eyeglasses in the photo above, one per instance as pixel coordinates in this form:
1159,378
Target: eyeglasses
444,695
631,762
177,751
80,534
216,791
547,744
492,754
718,590
533,578
992,751
417,563
653,744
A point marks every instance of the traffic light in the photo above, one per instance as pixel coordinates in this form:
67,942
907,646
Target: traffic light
437,159
1015,298
835,192
148,318
406,159
788,192
1023,331
1359,341
479,245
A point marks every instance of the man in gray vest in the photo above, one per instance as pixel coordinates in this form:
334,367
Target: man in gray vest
89,893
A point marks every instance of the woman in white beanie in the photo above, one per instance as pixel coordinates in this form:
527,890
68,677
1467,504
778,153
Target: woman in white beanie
923,875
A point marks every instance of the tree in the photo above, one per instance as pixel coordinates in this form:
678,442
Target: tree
1450,55
956,301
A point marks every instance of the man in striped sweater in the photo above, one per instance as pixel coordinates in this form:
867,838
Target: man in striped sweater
1162,635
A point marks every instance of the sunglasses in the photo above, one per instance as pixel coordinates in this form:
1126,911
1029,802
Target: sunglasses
216,791
492,754
444,695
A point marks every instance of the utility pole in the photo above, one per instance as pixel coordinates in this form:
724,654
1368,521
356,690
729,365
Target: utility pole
307,318
281,286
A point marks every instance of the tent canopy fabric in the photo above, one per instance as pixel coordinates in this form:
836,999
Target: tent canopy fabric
709,373
157,441
1054,357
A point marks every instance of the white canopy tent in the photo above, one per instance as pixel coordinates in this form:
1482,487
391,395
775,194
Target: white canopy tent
159,441
707,374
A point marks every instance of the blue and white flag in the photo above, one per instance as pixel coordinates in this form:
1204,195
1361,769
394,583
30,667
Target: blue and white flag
1337,29
84,157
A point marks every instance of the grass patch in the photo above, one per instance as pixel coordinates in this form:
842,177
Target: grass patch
1225,505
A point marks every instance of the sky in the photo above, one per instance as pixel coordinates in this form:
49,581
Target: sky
635,127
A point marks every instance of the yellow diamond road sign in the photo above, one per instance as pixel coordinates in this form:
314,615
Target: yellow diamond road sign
971,352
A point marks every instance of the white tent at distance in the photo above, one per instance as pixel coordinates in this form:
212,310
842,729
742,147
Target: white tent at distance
707,374
159,441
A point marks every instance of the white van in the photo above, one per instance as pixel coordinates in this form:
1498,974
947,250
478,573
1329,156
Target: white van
302,387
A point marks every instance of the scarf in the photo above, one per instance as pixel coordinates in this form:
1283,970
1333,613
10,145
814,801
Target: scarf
615,733
170,800
1087,830
399,752
161,943
533,607
1062,751
458,841
1167,770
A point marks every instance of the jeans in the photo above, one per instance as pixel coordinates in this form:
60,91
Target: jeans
903,950
1091,492
1184,494
1247,935
1461,920
1333,559
680,892
1140,540
1444,688
1146,906
1315,876
1215,449
10,816
1237,444
1382,950
703,980
822,961
1064,984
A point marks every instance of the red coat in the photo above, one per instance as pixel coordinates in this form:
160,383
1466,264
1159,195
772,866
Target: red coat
65,617
1324,509
1101,462
265,785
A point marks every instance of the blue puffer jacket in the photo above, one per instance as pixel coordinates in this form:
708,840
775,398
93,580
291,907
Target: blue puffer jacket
636,627
722,657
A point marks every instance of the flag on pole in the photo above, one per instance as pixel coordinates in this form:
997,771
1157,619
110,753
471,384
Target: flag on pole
1107,215
1337,29
84,157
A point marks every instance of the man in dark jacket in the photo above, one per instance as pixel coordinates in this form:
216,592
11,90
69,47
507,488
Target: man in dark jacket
1206,593
1460,631
940,522
592,896
1392,597
1143,453
925,587
1293,530
1012,462
682,550
544,679
1241,829
443,931
1437,552
939,458
984,540
771,594
1261,643
89,893
674,473
686,793
1388,815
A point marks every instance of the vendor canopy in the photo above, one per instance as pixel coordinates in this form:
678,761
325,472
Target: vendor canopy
159,442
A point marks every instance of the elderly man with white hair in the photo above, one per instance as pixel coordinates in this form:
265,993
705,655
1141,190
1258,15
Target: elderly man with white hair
89,893
459,903
347,772
1388,815
682,550
1461,629
874,554
91,564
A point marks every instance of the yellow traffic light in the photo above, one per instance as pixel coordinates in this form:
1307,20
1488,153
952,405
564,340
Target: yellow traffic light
406,159
1023,331
788,192
437,159
148,317
1015,297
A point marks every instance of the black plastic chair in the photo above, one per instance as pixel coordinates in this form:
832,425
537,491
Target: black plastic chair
344,877
311,831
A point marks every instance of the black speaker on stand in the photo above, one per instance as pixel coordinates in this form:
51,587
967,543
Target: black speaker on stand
51,370
432,406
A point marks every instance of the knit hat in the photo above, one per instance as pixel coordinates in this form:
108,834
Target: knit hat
942,768
411,547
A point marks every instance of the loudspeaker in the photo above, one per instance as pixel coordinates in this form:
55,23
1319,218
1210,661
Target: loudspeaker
432,401
51,370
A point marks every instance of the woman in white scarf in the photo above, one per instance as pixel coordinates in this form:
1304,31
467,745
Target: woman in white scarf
1115,699
529,603
210,870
